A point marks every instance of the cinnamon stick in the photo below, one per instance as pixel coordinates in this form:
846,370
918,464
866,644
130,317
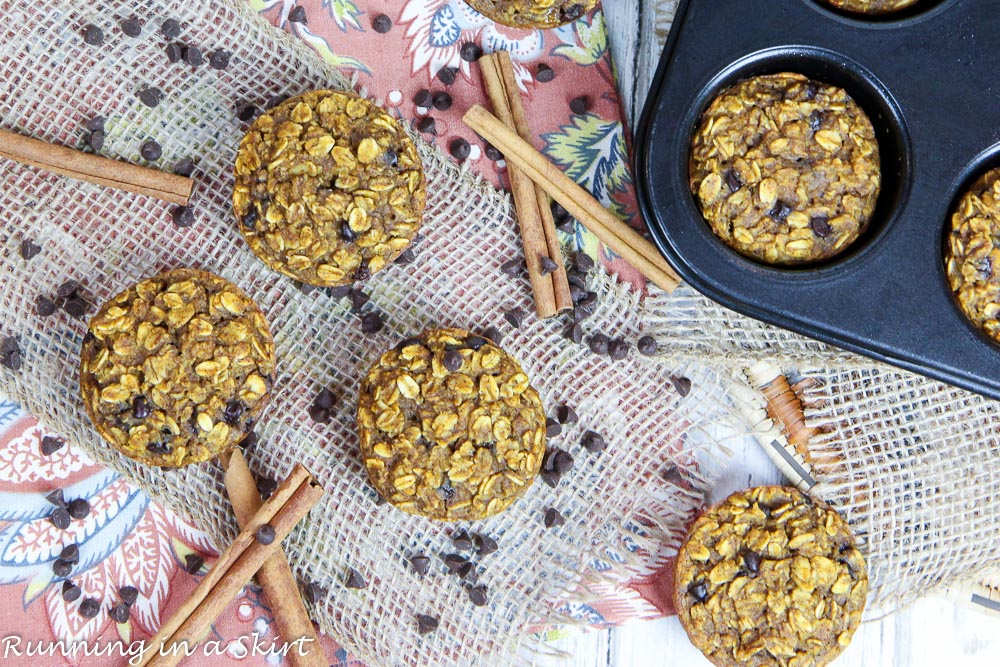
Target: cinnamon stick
95,169
275,576
191,622
614,233
525,203
560,281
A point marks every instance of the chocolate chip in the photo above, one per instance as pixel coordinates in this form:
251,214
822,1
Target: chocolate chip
420,563
119,613
573,332
313,592
150,150
79,508
553,518
298,15
811,90
427,125
371,323
184,167
593,442
816,120
493,334
475,342
10,354
265,534
362,273
44,306
618,349
426,624
454,562
193,56
274,101
174,52
820,224
571,13
61,568
234,410
51,444
60,518
470,52
780,211
477,595
751,561
390,158
183,216
325,398
67,289
442,101
546,265
423,98
681,384
462,540
589,299
159,448
452,360
354,579
131,27
76,307
29,249
492,153
95,124
514,317
151,96
647,346
266,487
93,35
566,415
584,263
552,428
513,267
382,24
219,59
90,608
485,545
170,29
347,233
459,149
699,591
246,112
128,594
56,498
733,180
468,573
579,105
70,591
599,344
96,140
358,299
544,73
447,75
562,461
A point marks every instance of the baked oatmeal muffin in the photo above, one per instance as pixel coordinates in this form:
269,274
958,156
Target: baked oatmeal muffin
786,170
329,188
533,13
873,7
177,368
770,576
450,427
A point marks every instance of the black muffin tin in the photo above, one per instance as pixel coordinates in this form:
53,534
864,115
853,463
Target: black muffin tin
929,80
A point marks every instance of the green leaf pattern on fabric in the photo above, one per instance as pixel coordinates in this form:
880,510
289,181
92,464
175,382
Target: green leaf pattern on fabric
591,45
322,47
344,12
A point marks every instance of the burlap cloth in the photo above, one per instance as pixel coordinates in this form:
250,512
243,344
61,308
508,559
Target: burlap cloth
911,461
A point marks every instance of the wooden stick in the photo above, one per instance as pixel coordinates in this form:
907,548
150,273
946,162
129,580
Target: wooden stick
275,575
525,204
192,620
560,281
614,233
96,169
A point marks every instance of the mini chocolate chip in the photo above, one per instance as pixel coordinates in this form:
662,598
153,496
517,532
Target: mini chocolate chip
150,150
475,342
593,442
571,13
574,332
577,293
298,15
618,349
470,52
514,317
170,29
426,624
589,299
566,415
362,273
10,354
442,101
562,461
447,75
70,591
427,125
193,56
647,346
358,299
354,579
820,224
128,594
420,563
90,608
584,262
347,233
174,52
337,292
51,444
248,441
67,289
313,592
452,360
79,508
44,306
816,120
319,415
423,98
265,534
371,323
550,477
382,24
493,334
468,573
477,595
56,498
553,518
599,344
119,613
185,167
183,216
60,518
61,568
219,59
96,140
454,562
513,267
681,384
159,448
234,410
459,149
76,307
390,158
151,96
246,112
546,265
751,560
95,124
492,153
274,101
544,73
733,180
485,545
811,90
780,211
29,249
579,105
131,27
461,540
552,428
699,591
266,487
93,35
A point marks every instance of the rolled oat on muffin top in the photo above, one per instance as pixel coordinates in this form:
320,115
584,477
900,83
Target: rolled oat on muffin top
871,7
329,188
785,170
533,13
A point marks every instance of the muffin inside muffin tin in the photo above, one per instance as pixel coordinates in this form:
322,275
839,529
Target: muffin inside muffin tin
923,78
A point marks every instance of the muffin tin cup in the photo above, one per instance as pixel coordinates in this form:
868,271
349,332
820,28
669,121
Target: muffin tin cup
924,79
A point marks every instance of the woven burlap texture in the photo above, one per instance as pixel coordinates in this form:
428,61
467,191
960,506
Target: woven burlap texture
615,503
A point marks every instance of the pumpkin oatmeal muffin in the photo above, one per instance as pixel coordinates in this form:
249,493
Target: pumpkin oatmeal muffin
873,7
533,13
450,427
329,188
177,368
785,170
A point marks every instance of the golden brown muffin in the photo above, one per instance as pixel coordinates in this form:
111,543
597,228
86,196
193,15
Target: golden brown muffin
533,13
873,7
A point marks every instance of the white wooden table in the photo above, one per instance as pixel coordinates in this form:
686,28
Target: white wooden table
930,633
